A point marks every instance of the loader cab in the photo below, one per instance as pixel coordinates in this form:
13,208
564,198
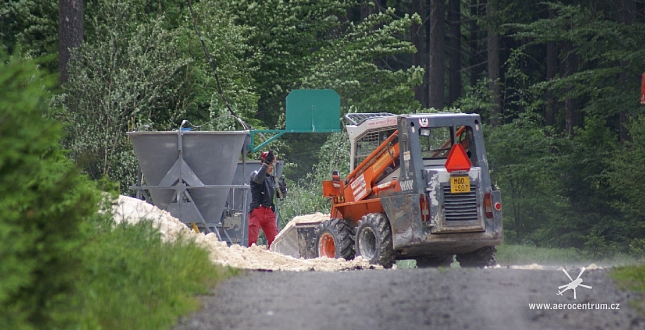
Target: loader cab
428,148
436,142
428,139
366,132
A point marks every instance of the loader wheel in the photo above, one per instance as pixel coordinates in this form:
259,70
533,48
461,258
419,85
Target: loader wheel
335,239
479,258
440,261
374,240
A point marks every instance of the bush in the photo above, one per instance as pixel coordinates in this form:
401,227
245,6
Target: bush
305,195
63,264
44,201
133,280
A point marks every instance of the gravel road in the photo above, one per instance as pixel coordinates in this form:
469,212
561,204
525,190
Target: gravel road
451,298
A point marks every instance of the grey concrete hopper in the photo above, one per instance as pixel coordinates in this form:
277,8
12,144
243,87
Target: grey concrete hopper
189,173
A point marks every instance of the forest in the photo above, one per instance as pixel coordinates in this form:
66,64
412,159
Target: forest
557,83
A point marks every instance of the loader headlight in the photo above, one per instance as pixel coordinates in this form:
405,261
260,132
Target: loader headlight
424,132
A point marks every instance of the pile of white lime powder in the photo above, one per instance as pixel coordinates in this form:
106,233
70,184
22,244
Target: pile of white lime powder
133,210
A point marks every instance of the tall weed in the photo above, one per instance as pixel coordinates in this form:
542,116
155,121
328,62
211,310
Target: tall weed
133,280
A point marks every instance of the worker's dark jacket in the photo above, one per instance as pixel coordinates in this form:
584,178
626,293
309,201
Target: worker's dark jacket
262,188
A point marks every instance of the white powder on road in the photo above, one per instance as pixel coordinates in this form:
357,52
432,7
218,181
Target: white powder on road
133,210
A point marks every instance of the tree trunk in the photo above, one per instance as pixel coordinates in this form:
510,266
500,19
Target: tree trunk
551,71
426,58
627,18
436,81
417,32
454,19
493,67
475,59
367,9
70,33
571,106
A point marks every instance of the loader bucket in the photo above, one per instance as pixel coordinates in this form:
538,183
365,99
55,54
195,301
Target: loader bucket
183,170
298,241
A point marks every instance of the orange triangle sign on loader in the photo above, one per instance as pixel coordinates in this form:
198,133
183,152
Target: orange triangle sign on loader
458,159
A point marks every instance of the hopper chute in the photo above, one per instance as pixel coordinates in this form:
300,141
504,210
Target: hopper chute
189,173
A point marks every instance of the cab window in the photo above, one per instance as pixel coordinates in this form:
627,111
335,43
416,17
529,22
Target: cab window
436,142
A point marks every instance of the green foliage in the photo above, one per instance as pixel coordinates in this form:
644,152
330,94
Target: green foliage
624,177
477,99
305,195
228,45
142,64
346,65
45,200
133,280
606,81
592,181
30,26
511,254
596,245
526,171
283,36
555,189
631,278
637,248
307,44
560,189
132,74
65,266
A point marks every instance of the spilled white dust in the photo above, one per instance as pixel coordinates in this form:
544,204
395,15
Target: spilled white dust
133,210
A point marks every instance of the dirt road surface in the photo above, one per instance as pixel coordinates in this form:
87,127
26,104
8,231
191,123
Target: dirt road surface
451,298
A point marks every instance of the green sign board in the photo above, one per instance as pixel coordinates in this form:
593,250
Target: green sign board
313,110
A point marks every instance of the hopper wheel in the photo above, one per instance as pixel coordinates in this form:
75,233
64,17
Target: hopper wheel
335,239
374,240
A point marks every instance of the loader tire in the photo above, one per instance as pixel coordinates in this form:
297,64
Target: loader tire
335,239
374,240
479,258
439,261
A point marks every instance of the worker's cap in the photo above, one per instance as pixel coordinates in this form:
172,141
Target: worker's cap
265,154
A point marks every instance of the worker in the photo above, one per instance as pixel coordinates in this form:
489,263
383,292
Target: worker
262,208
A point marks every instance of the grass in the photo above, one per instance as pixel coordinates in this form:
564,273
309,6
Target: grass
632,278
406,264
133,280
526,255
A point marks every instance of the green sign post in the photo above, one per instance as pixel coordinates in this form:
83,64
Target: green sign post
308,111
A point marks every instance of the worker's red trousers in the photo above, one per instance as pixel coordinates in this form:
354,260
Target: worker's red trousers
264,217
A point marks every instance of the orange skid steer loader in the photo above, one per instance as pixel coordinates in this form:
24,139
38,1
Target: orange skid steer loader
419,188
